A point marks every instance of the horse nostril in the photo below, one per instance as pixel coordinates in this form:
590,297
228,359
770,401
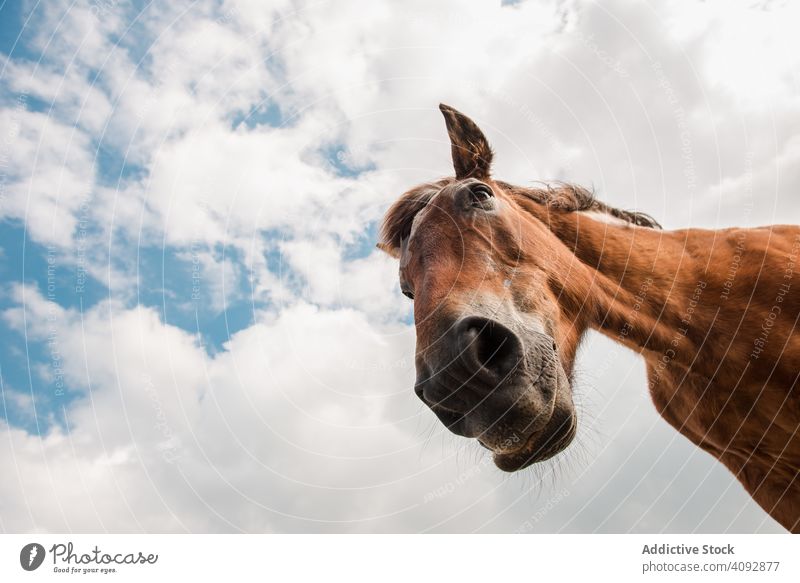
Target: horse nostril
494,346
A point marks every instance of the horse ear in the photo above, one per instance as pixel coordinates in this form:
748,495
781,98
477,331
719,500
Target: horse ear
472,156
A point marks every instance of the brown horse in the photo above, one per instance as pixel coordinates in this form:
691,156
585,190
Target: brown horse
506,280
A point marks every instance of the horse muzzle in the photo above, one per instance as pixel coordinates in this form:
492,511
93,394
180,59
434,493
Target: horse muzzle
504,388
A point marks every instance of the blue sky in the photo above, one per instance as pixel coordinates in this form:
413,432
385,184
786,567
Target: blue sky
163,272
164,281
239,357
25,260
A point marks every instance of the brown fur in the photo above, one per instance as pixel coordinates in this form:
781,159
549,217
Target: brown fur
714,313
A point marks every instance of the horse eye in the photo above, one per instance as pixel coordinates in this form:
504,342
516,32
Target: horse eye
408,294
481,194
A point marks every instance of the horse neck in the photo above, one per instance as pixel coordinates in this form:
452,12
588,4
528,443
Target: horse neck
641,284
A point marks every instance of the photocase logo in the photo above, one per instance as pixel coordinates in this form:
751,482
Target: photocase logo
31,556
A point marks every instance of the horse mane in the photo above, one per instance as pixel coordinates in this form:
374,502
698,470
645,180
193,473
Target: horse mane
569,197
561,196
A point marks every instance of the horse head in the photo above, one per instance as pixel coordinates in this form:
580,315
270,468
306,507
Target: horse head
495,338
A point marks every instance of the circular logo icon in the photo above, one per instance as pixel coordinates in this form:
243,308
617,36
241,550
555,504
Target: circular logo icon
31,556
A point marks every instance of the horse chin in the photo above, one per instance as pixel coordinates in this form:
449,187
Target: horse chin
541,445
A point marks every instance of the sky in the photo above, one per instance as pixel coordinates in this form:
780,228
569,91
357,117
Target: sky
199,335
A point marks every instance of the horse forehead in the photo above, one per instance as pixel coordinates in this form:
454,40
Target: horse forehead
405,244
424,213
433,205
418,218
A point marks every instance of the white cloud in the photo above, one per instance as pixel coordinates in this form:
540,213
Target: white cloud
368,283
50,171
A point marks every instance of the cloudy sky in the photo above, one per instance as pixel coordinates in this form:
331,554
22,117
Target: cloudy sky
198,332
